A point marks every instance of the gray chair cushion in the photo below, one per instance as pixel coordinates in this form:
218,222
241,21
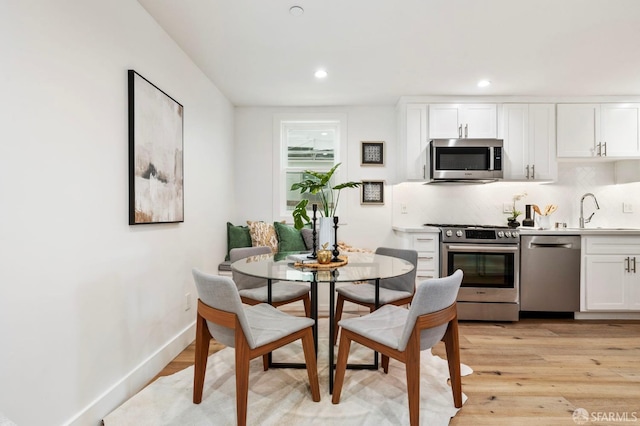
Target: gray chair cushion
261,323
384,325
391,289
256,288
392,325
280,292
367,293
269,324
245,281
406,282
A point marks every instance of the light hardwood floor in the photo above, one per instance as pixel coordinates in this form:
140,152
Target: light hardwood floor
538,371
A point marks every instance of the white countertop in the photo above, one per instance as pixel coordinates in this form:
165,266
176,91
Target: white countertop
419,228
523,230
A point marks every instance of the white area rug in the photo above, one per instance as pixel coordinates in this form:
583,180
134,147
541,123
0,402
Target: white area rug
282,396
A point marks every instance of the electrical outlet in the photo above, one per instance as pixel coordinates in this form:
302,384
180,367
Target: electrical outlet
627,208
506,207
187,301
403,208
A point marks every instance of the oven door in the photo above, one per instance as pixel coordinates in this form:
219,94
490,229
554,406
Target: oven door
491,271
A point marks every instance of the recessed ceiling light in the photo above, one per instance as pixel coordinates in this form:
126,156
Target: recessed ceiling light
484,83
321,74
296,11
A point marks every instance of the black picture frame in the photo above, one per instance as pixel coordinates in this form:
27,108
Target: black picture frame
372,153
156,147
372,192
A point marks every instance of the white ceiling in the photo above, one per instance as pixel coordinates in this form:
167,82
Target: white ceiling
378,50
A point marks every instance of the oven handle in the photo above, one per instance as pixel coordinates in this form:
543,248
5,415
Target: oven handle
506,249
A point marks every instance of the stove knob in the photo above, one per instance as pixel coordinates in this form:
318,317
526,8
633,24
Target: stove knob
458,233
507,234
500,234
515,235
448,233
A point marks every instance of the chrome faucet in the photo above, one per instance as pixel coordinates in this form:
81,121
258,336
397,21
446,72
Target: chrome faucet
582,219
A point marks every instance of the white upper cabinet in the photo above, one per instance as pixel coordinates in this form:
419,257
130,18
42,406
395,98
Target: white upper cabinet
477,121
598,130
529,142
413,142
620,130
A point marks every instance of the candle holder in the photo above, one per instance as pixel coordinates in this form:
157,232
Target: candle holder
314,233
336,252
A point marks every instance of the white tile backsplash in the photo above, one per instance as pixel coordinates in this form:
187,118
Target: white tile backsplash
482,203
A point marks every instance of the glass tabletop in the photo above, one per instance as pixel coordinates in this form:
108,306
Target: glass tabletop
359,267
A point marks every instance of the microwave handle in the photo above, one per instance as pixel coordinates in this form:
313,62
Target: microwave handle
491,158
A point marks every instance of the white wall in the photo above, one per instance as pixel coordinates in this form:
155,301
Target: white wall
367,226
90,307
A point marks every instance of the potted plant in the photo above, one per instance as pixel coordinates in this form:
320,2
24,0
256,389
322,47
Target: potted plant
319,183
512,220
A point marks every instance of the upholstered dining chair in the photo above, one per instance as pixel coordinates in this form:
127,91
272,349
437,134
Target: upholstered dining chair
253,290
401,334
253,331
397,291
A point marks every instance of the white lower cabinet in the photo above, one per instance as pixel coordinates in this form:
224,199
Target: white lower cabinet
427,244
610,278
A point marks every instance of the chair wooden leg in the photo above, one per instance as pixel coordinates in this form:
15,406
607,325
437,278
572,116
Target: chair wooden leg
307,305
310,359
203,337
452,346
242,379
337,317
341,366
265,362
413,384
385,364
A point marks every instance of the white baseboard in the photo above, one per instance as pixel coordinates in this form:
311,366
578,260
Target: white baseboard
606,315
134,381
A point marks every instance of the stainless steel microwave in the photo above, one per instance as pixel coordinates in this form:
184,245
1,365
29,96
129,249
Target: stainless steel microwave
460,160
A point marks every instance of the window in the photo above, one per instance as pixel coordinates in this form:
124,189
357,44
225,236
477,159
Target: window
304,143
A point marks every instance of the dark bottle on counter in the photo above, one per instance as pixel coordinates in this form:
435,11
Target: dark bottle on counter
530,215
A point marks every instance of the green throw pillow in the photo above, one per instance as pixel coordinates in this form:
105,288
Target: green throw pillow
289,238
237,237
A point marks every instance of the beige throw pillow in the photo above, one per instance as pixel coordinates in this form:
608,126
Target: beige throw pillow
263,234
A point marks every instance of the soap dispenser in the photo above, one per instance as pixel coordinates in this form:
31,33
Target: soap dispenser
530,216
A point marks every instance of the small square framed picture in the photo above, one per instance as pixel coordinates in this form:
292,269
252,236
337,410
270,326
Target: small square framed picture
372,153
372,192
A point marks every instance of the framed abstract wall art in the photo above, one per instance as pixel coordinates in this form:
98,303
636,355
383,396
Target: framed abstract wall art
156,193
372,153
372,192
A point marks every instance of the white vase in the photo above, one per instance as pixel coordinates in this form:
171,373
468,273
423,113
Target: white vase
326,232
544,222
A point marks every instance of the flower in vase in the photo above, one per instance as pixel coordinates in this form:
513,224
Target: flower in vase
514,213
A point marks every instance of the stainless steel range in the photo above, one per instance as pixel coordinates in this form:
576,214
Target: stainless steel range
489,256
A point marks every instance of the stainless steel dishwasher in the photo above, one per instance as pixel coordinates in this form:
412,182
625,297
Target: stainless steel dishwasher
550,273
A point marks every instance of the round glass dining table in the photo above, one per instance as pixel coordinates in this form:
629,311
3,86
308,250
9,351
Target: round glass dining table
359,267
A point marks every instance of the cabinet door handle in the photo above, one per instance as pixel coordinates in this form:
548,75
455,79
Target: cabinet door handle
599,149
605,154
533,171
425,257
424,239
634,264
527,171
626,264
460,131
466,130
424,172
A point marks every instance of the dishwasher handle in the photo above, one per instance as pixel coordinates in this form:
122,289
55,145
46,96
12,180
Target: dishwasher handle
551,245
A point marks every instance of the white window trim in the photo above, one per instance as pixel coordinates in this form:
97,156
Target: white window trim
279,159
